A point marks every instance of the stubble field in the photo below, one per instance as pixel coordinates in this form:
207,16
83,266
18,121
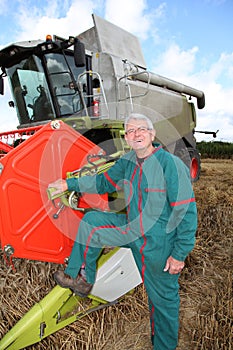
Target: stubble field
206,315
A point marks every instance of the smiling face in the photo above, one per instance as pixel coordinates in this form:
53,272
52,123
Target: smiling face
139,137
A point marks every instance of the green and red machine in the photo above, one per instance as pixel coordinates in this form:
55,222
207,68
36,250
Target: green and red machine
71,98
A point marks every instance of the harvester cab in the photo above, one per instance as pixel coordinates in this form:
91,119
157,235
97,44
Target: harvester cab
43,79
71,97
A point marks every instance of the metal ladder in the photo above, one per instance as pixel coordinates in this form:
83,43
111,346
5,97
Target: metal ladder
100,95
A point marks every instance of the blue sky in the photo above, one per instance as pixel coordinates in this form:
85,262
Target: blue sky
188,41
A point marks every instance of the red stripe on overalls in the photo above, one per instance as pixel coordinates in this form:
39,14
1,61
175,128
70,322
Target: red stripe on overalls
140,213
112,182
93,232
185,201
131,189
141,225
145,241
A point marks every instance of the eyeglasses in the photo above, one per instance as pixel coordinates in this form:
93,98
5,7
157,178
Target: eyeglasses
141,130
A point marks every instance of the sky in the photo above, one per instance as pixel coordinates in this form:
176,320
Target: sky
189,41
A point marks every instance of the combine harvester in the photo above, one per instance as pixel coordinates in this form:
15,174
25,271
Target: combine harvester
71,98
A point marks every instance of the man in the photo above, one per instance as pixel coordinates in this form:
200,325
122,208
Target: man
159,225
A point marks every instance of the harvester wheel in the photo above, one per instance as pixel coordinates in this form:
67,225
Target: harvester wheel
195,164
191,157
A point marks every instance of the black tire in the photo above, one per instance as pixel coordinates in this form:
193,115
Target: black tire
191,158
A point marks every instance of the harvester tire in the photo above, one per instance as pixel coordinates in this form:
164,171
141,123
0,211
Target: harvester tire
195,164
191,158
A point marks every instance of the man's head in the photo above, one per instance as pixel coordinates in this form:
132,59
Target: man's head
139,134
140,117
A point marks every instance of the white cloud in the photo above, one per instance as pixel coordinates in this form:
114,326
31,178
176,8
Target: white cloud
9,119
218,113
160,10
63,21
176,63
3,6
181,66
132,15
223,68
214,122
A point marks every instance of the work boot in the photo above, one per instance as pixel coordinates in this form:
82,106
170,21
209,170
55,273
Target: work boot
82,287
78,285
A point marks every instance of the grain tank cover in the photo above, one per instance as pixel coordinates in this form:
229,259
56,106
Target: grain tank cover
109,38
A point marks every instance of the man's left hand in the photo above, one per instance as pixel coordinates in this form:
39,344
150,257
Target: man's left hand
173,266
59,186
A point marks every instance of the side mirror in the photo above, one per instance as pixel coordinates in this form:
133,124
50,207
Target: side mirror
1,86
79,53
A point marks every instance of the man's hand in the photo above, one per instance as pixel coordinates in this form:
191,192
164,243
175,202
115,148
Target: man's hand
59,185
173,266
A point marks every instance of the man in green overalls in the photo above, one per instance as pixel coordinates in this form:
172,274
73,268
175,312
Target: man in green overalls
159,225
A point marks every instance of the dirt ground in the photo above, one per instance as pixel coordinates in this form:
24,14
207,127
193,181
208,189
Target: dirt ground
206,314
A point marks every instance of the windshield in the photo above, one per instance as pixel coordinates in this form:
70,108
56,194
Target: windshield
30,91
37,101
62,82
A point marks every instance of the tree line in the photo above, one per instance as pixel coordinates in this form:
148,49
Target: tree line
215,149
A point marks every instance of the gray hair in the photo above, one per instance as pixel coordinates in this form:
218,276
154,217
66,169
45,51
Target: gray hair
137,116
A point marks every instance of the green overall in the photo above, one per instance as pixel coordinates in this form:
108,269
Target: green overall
161,221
